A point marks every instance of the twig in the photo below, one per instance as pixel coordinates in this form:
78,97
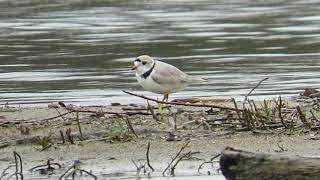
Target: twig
69,136
247,118
246,97
18,161
140,109
183,104
60,114
46,147
62,137
110,112
17,156
281,148
4,172
139,168
89,173
184,156
237,110
174,118
70,110
148,161
258,115
314,116
280,113
73,169
204,122
79,126
150,108
303,118
31,121
47,166
130,127
177,155
208,162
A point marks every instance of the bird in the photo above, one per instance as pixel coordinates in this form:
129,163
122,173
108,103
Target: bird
159,77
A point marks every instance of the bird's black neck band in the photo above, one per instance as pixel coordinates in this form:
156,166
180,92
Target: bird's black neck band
147,74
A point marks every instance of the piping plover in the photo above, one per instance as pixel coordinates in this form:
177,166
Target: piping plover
159,77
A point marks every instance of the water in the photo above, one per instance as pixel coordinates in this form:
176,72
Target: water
81,51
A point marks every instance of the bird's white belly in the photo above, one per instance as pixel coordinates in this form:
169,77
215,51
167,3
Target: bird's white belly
150,85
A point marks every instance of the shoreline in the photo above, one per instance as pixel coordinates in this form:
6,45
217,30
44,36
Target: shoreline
139,101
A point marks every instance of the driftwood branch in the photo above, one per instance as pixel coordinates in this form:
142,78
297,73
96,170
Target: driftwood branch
241,165
183,104
107,112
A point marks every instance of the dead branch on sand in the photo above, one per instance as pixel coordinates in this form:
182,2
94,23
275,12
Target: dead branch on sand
182,104
119,114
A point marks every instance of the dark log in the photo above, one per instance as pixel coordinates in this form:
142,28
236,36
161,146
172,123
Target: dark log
242,165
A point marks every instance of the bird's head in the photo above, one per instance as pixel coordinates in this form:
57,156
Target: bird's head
142,64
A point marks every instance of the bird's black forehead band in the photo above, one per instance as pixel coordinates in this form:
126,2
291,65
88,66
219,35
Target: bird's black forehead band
137,60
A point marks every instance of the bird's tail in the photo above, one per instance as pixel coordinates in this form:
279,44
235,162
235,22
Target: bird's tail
198,80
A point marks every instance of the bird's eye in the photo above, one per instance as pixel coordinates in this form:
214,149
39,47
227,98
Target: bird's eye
144,62
137,60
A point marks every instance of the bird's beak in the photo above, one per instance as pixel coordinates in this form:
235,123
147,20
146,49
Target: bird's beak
134,68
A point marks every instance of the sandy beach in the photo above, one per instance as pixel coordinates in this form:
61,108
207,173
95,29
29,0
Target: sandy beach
108,146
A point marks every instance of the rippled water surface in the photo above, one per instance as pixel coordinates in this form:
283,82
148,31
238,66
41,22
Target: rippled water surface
81,51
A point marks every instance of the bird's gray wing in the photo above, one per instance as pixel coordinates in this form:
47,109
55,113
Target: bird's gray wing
167,74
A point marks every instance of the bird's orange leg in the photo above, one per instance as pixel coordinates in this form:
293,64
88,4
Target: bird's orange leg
165,98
